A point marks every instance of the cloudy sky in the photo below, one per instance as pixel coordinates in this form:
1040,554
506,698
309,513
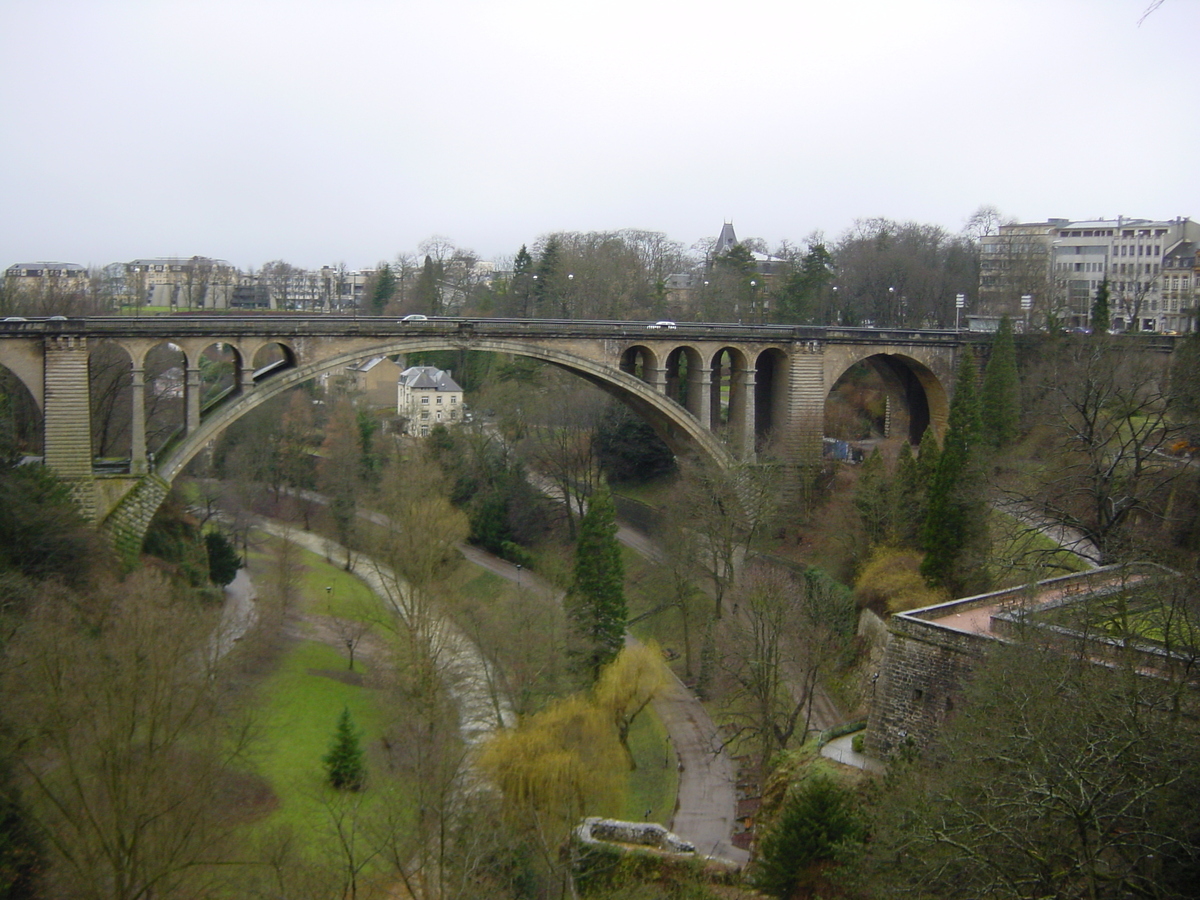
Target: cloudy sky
319,131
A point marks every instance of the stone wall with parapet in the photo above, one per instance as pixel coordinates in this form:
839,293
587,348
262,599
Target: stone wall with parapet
925,666
126,525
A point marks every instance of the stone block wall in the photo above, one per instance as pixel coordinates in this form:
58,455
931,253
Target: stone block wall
925,667
126,525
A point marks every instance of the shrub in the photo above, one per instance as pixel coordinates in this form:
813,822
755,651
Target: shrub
223,560
891,580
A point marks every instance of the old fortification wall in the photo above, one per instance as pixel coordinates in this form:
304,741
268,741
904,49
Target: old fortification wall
925,666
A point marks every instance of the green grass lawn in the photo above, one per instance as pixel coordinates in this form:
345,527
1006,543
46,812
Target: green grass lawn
299,707
299,702
654,784
653,493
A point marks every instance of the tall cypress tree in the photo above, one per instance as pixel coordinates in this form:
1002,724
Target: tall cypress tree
955,532
427,290
1101,314
522,282
383,290
595,604
1000,398
872,498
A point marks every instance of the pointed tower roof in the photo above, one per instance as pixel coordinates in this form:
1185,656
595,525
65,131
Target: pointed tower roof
726,241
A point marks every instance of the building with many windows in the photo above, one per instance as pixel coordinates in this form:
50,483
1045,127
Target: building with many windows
191,283
1060,265
42,278
428,396
1181,284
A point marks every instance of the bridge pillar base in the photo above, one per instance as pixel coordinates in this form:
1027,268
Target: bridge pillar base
125,527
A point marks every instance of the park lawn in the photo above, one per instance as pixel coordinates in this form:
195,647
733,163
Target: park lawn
479,585
654,493
348,597
299,708
299,703
654,784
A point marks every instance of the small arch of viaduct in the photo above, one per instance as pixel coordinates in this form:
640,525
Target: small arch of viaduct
721,391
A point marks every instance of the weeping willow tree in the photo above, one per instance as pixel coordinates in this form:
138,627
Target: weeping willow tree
553,769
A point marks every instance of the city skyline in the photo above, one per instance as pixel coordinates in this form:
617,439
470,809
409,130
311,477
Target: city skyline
319,134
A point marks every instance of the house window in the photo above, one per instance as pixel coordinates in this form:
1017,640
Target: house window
439,400
425,400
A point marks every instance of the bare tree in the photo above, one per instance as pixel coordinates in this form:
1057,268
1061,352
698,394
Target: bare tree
121,744
777,648
728,510
1104,474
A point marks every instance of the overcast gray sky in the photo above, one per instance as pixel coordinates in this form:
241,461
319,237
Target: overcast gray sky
319,131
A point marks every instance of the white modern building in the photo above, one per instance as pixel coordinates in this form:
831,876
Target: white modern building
1060,264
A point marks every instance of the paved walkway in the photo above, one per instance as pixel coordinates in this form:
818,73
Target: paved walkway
842,750
468,675
707,799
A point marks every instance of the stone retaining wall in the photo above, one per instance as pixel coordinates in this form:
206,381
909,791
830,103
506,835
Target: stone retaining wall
924,669
126,525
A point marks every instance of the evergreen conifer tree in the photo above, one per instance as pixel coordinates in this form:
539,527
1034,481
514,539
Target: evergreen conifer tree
907,499
223,560
1101,314
384,289
955,530
816,827
344,766
595,604
1000,398
522,282
428,292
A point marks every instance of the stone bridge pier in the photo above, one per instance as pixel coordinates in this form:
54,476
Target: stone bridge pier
727,393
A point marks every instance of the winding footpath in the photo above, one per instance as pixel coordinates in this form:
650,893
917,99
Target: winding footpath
707,799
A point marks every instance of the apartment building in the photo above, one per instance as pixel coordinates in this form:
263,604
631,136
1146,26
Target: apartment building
193,283
43,278
1059,264
428,396
1181,284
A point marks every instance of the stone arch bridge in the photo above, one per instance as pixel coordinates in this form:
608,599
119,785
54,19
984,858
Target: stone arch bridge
722,391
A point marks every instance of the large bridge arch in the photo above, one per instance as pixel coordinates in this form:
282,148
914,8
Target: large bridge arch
679,430
717,389
920,385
